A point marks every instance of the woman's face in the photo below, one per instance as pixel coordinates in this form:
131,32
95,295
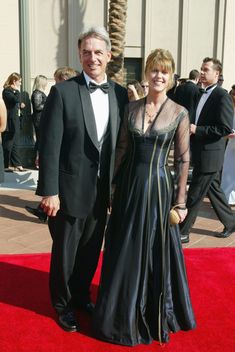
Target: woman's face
158,79
17,83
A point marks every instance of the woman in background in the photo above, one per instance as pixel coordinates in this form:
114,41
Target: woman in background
38,100
10,138
134,90
228,173
3,123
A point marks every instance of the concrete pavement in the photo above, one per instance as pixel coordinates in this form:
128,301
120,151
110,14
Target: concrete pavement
24,233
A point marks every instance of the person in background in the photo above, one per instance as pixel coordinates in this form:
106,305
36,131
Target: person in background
213,121
79,128
145,86
143,293
38,99
228,173
3,123
63,73
221,80
171,92
10,137
134,90
187,94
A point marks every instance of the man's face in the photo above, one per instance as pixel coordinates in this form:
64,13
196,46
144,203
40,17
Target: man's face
208,75
94,57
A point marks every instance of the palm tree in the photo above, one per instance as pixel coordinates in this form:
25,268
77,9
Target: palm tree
117,31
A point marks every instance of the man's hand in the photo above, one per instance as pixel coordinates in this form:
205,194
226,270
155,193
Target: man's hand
193,128
50,205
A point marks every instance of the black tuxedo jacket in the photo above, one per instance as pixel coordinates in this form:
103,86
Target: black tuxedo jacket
187,95
214,123
69,150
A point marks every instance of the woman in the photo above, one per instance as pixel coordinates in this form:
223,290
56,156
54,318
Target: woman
228,174
143,293
3,122
134,90
38,100
10,138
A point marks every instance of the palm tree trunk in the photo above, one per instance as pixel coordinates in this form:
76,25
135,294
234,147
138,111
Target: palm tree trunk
117,31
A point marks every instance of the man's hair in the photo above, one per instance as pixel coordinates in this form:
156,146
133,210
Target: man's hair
194,74
95,32
216,63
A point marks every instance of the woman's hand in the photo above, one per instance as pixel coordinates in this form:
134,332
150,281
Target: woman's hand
182,213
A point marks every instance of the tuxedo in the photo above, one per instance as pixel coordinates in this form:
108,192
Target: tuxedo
208,147
187,95
75,166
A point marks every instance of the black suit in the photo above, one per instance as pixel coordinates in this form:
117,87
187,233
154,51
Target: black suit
70,156
187,95
208,147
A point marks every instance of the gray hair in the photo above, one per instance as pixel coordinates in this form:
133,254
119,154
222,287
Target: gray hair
95,32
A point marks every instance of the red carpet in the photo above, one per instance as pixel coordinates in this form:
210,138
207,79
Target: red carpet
27,319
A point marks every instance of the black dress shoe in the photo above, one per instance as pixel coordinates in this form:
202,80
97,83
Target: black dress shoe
67,321
225,233
184,238
38,212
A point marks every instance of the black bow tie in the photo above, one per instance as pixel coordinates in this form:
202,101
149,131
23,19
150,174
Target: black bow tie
104,87
206,90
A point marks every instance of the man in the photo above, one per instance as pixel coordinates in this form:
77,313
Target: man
213,121
79,130
187,94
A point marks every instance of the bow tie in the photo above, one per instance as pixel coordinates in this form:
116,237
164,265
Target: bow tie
206,90
104,87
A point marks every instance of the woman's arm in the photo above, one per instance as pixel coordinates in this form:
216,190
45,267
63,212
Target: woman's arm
3,116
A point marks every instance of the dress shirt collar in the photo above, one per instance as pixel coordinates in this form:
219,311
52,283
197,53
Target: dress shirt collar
89,79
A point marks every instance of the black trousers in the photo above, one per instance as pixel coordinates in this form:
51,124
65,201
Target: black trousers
207,185
10,150
75,253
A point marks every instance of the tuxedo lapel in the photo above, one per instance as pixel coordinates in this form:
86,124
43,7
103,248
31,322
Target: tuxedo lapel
88,112
208,106
113,113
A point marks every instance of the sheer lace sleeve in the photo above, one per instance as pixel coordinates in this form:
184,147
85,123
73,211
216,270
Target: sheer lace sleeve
122,145
38,100
181,157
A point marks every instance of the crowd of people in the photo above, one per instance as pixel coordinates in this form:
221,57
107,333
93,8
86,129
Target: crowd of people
101,146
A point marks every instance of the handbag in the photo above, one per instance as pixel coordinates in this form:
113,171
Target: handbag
174,217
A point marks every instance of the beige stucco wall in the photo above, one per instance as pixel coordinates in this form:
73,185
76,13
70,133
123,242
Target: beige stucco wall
9,39
190,29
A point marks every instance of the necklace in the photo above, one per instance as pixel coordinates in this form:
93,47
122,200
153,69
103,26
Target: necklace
152,116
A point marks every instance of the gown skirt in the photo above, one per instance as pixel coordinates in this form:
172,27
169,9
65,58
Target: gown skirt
143,293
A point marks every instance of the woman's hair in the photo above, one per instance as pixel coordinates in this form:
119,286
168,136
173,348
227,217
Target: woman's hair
137,86
40,82
161,59
96,32
64,73
11,79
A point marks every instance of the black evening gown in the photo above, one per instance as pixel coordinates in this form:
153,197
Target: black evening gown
143,293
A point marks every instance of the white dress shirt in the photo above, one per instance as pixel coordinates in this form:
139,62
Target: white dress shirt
202,102
100,104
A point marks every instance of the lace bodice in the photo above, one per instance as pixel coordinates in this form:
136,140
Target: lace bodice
173,122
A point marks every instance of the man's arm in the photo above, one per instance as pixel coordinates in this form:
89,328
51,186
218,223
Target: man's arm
51,132
223,122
